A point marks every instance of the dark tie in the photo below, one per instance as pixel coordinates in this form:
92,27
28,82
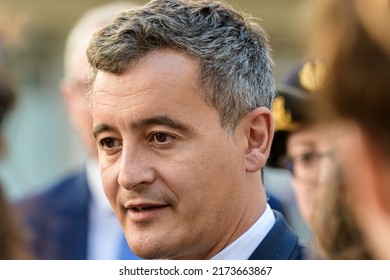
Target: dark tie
125,253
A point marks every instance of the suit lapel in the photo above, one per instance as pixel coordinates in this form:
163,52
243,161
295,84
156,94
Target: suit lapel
279,243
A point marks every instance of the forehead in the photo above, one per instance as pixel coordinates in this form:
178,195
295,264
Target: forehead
315,136
162,82
163,67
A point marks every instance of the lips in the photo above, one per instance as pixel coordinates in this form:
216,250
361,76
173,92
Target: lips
144,208
142,212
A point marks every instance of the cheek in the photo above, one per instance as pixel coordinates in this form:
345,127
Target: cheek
86,119
216,176
197,180
349,156
83,121
306,196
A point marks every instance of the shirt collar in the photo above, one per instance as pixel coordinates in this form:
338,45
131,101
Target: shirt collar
96,186
246,244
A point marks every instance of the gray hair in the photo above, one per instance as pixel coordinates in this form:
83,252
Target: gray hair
233,50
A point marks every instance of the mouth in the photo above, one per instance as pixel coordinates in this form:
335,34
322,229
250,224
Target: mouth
145,208
145,211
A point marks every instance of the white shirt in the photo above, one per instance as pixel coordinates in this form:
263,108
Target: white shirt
246,244
104,233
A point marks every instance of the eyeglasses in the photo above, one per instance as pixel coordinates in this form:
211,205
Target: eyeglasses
306,166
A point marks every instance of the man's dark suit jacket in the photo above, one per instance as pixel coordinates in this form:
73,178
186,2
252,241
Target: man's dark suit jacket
57,219
281,243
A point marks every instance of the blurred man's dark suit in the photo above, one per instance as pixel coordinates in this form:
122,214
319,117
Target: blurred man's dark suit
57,219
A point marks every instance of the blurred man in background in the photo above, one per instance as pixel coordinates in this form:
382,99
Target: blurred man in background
72,219
299,144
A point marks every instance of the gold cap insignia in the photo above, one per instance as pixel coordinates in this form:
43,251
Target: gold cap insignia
282,119
312,75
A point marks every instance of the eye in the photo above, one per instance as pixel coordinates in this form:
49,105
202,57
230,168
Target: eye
109,143
308,158
162,138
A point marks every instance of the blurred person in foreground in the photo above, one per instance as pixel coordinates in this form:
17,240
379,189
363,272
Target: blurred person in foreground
12,240
13,245
355,44
72,218
180,98
303,146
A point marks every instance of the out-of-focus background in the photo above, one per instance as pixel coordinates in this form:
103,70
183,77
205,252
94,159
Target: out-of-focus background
42,144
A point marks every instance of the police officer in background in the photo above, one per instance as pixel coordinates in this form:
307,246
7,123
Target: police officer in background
299,145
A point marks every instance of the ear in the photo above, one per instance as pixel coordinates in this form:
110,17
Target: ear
65,92
259,127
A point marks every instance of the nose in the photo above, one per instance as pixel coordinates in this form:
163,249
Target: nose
135,168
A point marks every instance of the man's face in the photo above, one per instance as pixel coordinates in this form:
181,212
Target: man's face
170,171
77,103
309,150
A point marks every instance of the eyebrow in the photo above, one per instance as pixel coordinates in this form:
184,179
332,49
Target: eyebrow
100,128
157,120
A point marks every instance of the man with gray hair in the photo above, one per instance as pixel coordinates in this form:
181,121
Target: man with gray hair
180,95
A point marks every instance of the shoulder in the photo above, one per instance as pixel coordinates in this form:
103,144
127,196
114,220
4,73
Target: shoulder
71,188
281,243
